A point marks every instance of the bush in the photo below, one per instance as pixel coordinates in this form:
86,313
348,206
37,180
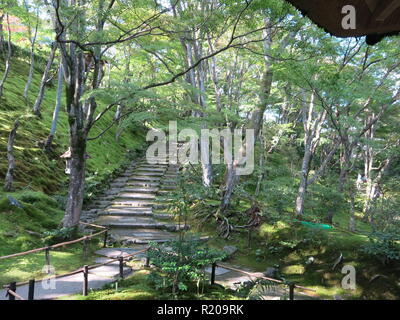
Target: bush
59,235
181,264
384,247
315,238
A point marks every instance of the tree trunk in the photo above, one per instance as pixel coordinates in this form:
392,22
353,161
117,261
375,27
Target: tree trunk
255,122
53,129
78,136
230,180
207,174
214,77
303,183
372,189
77,180
2,50
8,58
10,157
312,122
39,98
32,59
80,120
352,221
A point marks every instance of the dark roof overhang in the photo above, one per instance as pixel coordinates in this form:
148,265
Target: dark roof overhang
374,18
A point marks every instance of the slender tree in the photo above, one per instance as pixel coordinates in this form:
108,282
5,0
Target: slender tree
8,57
45,76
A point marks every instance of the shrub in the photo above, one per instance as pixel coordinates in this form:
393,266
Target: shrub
181,263
384,247
59,235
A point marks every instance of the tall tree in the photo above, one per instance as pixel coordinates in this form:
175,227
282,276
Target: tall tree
8,57
32,34
45,76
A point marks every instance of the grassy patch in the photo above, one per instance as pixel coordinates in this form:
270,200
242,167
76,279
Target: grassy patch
31,266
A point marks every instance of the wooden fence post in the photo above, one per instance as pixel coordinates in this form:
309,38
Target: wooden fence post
213,266
85,248
105,238
291,291
85,280
121,267
147,263
31,290
12,286
47,258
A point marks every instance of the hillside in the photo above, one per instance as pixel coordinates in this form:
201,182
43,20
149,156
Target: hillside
39,178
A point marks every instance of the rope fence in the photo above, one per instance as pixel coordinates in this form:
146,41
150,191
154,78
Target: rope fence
12,287
291,286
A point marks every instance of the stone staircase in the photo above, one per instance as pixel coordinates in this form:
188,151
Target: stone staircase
127,207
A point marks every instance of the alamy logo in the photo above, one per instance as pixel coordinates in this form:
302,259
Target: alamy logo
236,151
49,282
349,280
349,20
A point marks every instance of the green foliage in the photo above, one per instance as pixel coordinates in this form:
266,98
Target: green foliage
385,247
315,238
385,212
59,235
181,263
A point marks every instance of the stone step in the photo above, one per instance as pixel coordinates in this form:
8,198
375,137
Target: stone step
136,196
114,220
114,225
128,214
110,210
118,252
140,190
151,169
109,269
162,158
142,236
120,180
142,184
112,191
127,174
154,162
143,178
131,203
148,173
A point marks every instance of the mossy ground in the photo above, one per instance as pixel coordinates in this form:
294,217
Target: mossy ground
36,170
22,229
318,276
39,177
